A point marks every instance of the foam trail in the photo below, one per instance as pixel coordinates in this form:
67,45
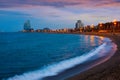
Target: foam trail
54,69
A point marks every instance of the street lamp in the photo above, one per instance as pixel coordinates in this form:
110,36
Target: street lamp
114,22
101,24
92,26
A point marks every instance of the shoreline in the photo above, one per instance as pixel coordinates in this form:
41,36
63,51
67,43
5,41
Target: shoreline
79,71
108,70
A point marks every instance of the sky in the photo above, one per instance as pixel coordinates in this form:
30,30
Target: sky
56,14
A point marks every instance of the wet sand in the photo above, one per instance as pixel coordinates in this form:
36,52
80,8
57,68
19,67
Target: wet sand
109,70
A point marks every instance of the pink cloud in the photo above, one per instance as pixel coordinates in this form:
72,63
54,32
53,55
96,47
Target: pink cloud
57,10
60,3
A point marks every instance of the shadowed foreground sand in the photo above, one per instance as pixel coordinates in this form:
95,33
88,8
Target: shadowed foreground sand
110,70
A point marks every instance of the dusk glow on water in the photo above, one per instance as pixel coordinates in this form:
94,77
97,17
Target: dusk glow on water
37,54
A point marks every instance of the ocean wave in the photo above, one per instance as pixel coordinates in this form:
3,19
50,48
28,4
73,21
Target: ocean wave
54,69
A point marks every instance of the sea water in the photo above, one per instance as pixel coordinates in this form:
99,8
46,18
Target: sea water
34,56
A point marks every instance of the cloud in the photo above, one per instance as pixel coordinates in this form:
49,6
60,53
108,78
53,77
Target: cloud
63,12
15,13
67,15
59,3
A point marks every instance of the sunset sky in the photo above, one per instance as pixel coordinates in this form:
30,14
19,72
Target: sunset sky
56,14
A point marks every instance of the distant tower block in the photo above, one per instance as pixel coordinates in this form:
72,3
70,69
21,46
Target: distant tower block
79,24
27,25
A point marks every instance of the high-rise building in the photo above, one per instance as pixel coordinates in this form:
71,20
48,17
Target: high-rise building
27,25
79,24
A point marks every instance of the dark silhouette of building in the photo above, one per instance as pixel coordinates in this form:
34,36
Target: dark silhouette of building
27,27
39,30
109,26
46,30
79,26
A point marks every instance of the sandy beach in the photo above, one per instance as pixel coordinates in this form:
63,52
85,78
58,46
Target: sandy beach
109,70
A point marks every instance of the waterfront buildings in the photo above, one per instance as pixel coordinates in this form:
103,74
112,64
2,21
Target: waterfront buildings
79,26
27,27
109,26
113,26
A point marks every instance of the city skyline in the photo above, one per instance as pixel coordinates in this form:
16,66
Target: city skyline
56,13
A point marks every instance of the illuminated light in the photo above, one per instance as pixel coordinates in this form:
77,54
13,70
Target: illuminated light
115,21
101,24
92,40
102,38
92,26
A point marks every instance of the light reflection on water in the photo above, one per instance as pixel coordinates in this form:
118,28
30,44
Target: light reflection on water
92,40
101,37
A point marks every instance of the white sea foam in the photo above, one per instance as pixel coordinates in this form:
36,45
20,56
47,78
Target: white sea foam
54,69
